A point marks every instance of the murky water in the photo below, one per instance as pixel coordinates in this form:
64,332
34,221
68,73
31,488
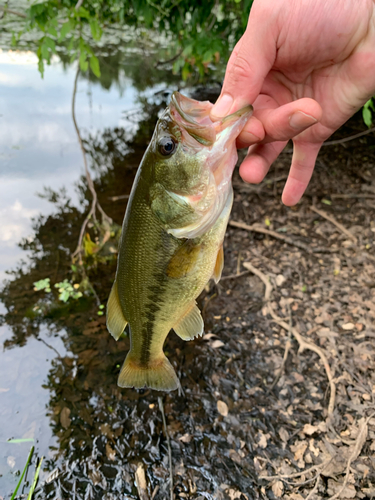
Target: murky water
58,364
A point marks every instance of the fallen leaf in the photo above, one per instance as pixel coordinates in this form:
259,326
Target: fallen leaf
280,279
309,429
222,408
110,452
65,419
140,479
348,326
262,441
216,343
278,489
186,438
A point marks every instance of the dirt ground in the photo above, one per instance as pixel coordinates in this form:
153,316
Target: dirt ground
299,353
278,396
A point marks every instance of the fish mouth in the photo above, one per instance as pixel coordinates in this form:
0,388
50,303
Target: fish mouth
194,117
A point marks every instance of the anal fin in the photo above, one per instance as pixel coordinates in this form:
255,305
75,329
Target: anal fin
191,324
159,375
219,265
116,322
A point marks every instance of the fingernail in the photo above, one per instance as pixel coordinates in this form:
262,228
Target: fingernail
300,120
223,105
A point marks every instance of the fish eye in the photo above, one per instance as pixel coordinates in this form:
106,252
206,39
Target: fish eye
167,146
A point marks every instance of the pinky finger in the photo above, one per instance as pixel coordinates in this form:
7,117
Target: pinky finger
303,163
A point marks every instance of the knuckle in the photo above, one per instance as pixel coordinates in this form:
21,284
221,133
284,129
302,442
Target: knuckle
241,69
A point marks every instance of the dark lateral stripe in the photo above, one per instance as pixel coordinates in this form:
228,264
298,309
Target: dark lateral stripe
153,305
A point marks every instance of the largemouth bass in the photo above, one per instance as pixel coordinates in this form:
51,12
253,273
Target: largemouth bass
172,236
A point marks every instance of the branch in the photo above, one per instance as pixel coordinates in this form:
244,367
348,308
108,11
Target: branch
350,138
285,239
303,343
161,407
14,12
339,226
95,204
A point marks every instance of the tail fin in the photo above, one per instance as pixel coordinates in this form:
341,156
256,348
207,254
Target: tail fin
158,375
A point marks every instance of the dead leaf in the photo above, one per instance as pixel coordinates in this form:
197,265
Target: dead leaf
309,429
186,438
216,343
140,479
280,279
348,326
278,489
262,441
222,408
65,419
110,452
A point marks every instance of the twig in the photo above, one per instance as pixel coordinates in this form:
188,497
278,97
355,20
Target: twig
172,59
318,467
161,407
334,222
78,4
95,204
350,138
353,195
315,489
360,441
288,345
121,197
14,12
303,344
285,239
232,276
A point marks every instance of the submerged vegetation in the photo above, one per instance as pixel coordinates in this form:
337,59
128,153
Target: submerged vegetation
194,35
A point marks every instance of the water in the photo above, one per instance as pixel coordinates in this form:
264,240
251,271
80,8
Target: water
59,365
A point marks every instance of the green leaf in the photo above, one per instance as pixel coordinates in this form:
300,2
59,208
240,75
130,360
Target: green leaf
42,284
52,31
65,29
83,64
23,473
96,30
64,296
327,202
35,480
21,440
367,116
41,66
48,42
94,65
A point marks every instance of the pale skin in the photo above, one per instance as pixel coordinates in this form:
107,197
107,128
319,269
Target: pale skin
307,66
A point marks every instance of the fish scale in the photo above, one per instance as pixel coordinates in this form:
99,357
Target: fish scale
165,259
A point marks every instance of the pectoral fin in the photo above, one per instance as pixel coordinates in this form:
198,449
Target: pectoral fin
219,265
184,260
116,322
191,324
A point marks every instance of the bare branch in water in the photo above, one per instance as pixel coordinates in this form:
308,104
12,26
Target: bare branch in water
94,204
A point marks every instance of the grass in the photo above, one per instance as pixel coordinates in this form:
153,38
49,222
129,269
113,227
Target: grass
36,475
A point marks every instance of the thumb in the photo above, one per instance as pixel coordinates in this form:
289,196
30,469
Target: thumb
249,64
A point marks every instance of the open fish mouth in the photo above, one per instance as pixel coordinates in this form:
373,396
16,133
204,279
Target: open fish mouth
194,117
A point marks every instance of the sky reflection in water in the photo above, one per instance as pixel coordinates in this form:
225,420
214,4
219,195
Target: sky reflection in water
38,147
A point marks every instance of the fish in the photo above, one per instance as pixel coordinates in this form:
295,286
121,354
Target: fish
172,236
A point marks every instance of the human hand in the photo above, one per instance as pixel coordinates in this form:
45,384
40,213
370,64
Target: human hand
307,67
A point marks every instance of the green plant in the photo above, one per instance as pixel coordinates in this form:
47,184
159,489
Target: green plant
36,475
367,112
200,33
68,291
